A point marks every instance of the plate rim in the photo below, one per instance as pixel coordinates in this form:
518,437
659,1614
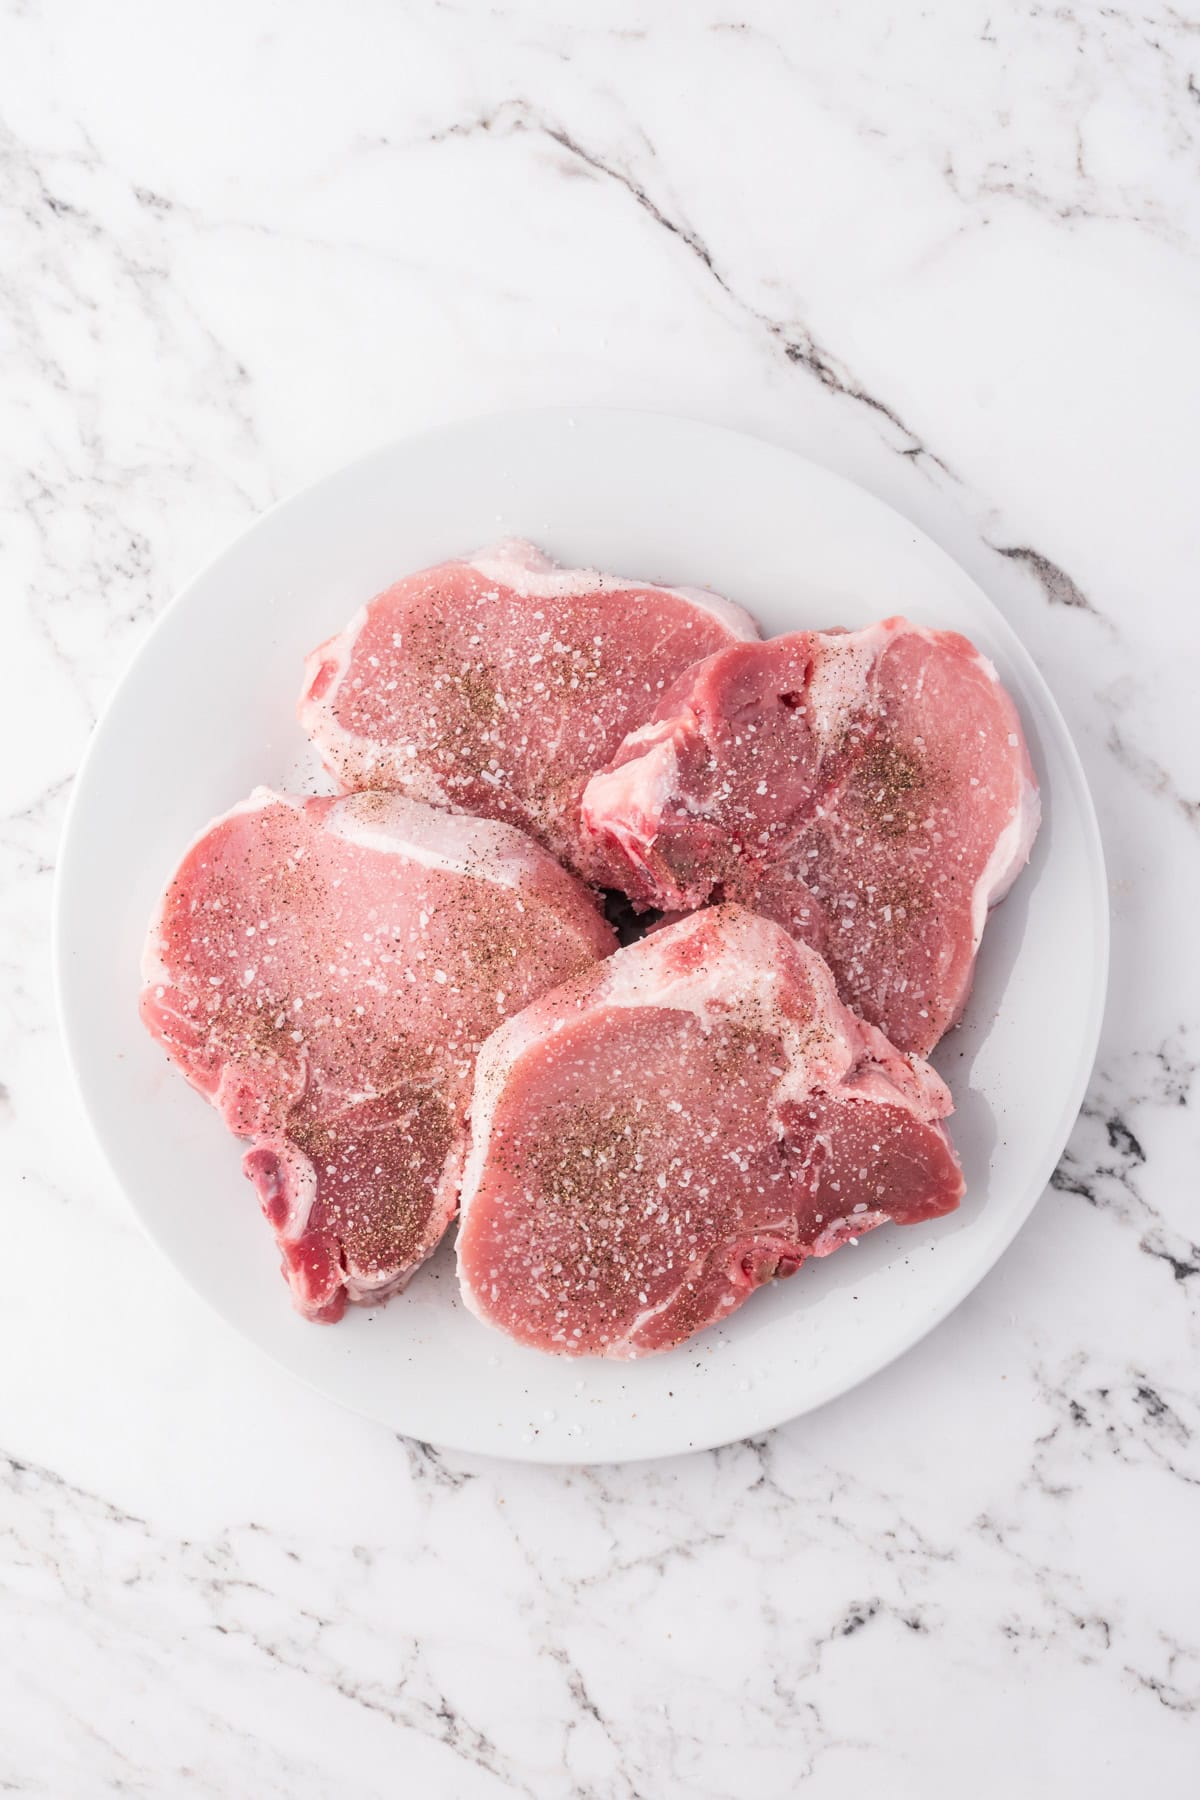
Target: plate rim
768,1417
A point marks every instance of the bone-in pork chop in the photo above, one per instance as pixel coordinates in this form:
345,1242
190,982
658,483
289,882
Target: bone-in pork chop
324,971
500,684
871,790
676,1126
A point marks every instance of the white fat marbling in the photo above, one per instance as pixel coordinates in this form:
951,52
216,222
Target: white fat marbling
954,251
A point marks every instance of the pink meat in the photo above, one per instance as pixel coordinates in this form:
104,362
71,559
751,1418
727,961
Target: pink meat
695,1116
498,685
324,971
871,790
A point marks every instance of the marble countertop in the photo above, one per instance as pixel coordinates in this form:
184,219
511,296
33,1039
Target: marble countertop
951,251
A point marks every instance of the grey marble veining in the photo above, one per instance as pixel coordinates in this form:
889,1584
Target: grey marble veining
951,251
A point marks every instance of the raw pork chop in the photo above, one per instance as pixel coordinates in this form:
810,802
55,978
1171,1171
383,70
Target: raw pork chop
498,685
663,1134
324,972
869,789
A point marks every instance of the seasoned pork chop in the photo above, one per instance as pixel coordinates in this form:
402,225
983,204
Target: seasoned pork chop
324,971
869,789
500,684
689,1119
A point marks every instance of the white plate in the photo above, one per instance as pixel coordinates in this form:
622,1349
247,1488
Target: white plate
206,711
